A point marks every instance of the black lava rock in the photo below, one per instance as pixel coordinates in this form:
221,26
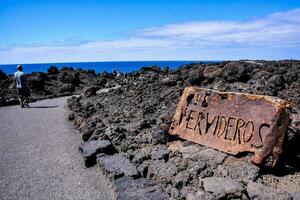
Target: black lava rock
91,148
53,70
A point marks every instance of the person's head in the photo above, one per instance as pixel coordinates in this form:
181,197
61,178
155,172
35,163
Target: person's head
20,67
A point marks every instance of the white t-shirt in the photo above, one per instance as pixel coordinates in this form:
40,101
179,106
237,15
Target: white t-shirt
19,77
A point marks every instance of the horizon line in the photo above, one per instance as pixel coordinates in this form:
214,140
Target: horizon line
153,61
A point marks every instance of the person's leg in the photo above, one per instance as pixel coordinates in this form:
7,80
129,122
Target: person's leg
21,99
21,102
26,95
25,102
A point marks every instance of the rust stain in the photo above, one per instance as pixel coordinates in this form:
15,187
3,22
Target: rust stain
233,122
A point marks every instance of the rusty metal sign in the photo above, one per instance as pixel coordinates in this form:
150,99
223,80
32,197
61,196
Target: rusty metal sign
233,122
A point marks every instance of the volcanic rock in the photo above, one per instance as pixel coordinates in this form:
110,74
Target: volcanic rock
159,136
169,82
142,155
134,113
223,187
128,188
115,166
212,72
37,80
160,154
66,89
181,179
191,193
235,71
53,70
211,156
2,101
195,77
2,75
90,91
238,169
259,191
12,101
91,148
161,171
116,135
71,77
199,169
71,116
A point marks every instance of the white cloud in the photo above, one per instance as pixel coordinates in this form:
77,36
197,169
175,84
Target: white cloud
277,28
276,36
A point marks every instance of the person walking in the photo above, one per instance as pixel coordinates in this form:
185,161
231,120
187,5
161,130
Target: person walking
22,87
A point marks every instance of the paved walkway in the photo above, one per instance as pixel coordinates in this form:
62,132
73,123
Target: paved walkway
39,156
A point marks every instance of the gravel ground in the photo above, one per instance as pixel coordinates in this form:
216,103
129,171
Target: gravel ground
39,156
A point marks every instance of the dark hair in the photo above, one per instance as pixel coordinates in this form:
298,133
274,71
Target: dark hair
19,67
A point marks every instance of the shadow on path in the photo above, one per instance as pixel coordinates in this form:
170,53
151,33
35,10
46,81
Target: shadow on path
43,106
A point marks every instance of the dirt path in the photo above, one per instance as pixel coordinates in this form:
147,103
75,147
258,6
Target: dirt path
39,156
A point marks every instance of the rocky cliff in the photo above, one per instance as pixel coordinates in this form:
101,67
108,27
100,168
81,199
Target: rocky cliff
123,122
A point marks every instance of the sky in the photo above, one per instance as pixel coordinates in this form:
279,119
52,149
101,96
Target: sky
39,31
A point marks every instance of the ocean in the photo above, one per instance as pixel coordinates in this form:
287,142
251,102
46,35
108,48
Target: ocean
125,66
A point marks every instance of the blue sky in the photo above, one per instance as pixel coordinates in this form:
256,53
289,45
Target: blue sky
110,30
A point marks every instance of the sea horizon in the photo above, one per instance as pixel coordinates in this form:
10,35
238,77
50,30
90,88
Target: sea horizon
108,66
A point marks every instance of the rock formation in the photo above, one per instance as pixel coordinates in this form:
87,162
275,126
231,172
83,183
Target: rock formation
134,113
